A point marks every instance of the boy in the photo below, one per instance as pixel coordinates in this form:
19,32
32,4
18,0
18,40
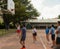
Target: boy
23,37
52,32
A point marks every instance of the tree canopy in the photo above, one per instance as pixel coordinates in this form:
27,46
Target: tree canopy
24,10
58,16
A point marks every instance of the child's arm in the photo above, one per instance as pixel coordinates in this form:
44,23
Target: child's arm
50,31
56,31
20,34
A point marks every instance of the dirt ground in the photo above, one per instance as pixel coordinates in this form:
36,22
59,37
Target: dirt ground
12,41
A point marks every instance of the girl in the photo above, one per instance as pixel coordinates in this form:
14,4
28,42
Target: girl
18,29
34,34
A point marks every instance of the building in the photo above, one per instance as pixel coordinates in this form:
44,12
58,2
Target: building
43,22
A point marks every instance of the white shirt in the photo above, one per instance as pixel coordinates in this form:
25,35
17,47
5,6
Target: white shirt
58,29
18,28
34,30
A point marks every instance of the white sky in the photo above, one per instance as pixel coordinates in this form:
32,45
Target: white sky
47,8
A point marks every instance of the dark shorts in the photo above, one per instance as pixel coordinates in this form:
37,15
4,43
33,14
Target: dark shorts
58,40
53,37
34,34
23,38
47,33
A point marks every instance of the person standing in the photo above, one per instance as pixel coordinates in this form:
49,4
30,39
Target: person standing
23,37
18,29
34,34
47,34
52,32
58,35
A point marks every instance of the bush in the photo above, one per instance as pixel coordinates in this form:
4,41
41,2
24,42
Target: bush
2,26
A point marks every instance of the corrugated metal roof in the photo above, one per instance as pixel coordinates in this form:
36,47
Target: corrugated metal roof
45,20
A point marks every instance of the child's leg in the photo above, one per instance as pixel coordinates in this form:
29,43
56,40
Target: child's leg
58,41
35,38
23,44
54,43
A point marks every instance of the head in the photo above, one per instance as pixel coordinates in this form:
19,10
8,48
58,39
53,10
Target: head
58,23
52,25
33,26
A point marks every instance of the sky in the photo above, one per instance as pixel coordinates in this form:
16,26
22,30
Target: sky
48,8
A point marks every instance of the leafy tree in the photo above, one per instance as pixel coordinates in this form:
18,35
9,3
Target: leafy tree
59,17
24,10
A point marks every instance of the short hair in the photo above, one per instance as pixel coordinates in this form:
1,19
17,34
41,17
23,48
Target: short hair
52,25
23,25
58,22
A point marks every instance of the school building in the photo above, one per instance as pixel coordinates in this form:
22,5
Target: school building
40,24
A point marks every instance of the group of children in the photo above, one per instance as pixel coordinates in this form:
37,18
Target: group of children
53,33
21,32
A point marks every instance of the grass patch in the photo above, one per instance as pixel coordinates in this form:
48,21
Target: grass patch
4,32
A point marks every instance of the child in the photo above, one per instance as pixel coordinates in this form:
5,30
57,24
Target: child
34,34
58,35
47,34
18,29
23,37
52,32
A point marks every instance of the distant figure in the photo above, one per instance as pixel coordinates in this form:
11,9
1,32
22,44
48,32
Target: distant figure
47,34
34,34
18,29
23,37
58,35
52,32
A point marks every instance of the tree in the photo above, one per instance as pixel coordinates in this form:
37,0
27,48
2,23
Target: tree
59,17
7,16
24,10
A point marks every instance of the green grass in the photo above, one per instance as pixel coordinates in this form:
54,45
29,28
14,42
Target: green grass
4,32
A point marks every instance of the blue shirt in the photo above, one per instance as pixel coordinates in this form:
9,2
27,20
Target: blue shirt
24,32
47,30
52,30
